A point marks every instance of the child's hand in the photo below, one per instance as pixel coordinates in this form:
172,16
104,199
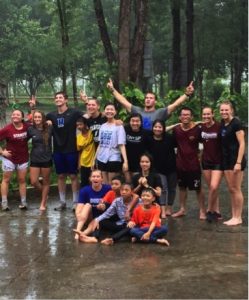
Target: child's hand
131,224
101,206
145,236
127,215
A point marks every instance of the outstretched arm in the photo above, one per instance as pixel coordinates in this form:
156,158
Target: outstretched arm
120,98
188,92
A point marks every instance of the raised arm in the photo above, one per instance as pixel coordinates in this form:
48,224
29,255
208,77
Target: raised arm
120,98
188,92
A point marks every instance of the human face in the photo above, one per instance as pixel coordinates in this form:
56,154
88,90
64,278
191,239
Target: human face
145,163
150,100
80,126
16,117
126,191
60,100
185,116
37,119
92,107
135,123
147,198
116,185
226,112
110,111
96,178
207,115
158,129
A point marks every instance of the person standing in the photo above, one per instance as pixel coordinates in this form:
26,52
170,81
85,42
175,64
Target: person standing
149,112
233,159
187,137
41,155
65,154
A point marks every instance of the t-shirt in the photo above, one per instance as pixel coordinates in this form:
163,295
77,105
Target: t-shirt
40,152
109,197
150,117
211,139
110,137
95,124
153,180
86,145
229,141
64,130
89,195
16,142
187,148
163,153
144,217
135,147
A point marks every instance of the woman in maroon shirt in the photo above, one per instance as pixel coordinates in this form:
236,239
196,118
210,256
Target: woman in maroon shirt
14,156
211,161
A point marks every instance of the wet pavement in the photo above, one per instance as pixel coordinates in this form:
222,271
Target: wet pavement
39,258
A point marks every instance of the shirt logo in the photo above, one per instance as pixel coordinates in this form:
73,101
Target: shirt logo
60,122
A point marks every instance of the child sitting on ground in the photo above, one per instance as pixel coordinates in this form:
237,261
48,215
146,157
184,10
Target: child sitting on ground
145,222
120,206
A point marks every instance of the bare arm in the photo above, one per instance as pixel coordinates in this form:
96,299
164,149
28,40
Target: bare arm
241,139
123,153
120,98
188,92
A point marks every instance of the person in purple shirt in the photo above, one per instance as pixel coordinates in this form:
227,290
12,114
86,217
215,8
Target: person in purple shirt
89,204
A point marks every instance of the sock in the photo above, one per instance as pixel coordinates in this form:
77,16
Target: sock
23,200
75,197
4,200
62,197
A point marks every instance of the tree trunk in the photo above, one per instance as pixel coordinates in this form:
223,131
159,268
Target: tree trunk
74,84
124,41
111,58
189,40
200,87
64,40
141,12
176,44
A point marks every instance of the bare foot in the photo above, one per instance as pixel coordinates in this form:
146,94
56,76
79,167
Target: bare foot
168,211
84,238
202,215
133,239
233,222
42,208
107,242
163,216
179,213
162,242
77,234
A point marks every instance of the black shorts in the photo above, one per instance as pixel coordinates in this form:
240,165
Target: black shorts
47,164
110,166
228,164
211,166
190,180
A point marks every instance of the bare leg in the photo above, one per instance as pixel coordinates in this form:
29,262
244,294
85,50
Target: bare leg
83,238
183,199
45,172
5,184
21,176
201,201
34,177
163,211
82,213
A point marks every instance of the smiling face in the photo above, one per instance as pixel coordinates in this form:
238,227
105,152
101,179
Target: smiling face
207,115
126,191
93,107
158,129
145,163
226,112
60,100
110,111
147,198
135,123
186,116
17,117
38,119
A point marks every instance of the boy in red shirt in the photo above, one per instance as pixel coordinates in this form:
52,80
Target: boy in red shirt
145,222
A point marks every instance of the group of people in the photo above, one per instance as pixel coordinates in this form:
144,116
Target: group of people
142,150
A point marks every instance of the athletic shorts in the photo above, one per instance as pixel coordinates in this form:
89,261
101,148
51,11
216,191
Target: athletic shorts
226,165
66,163
210,166
9,166
47,164
190,180
110,166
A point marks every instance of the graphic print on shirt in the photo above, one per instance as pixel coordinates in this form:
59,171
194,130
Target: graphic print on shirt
60,122
20,136
105,138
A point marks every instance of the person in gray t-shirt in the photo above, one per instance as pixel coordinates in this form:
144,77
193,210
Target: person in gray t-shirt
149,112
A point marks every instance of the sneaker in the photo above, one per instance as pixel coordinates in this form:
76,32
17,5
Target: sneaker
23,206
61,207
209,216
5,207
217,216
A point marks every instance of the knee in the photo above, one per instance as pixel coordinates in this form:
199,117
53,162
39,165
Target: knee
21,181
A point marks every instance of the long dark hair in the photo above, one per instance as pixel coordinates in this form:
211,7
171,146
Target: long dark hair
45,127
